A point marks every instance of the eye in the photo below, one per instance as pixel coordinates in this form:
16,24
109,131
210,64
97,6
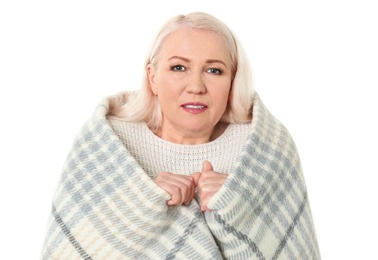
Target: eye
214,71
178,68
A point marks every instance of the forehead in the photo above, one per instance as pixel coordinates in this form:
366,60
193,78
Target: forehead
192,41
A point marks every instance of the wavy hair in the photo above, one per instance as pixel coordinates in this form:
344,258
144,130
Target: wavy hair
143,105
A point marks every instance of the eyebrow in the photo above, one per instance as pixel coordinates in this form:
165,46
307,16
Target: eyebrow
207,61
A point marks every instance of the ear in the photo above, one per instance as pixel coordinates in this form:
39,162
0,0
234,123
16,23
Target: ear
152,78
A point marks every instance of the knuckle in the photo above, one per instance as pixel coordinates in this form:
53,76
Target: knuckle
176,189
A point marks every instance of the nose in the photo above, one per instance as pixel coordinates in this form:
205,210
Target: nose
196,84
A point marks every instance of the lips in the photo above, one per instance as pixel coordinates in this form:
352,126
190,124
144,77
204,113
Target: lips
194,107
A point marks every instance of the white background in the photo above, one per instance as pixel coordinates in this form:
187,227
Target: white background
315,65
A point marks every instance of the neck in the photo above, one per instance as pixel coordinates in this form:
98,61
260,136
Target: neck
190,138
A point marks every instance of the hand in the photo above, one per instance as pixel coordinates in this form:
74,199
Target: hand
209,183
180,187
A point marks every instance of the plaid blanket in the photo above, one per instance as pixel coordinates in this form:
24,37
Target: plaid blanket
106,207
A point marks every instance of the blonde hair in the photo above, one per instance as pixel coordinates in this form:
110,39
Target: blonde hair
143,105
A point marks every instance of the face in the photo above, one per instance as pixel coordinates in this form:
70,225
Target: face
192,82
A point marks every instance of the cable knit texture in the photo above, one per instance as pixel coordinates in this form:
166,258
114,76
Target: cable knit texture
107,206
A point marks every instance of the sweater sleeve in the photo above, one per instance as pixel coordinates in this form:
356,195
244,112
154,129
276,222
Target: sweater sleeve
262,211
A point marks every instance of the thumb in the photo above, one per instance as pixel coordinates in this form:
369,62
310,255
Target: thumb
206,166
196,177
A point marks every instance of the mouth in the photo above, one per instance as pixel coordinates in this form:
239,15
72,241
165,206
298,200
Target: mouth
194,107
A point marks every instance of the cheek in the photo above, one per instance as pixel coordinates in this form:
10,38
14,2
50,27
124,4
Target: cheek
170,87
221,99
167,93
226,99
226,91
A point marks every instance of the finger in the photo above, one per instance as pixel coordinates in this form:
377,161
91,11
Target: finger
208,189
178,184
209,186
206,166
172,186
175,193
192,188
196,177
205,201
213,179
184,187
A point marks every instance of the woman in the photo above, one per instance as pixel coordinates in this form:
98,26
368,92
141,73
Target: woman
192,166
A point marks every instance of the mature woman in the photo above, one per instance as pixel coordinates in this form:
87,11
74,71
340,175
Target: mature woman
191,166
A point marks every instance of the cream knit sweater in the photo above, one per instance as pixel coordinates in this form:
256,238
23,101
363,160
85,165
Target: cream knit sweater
156,155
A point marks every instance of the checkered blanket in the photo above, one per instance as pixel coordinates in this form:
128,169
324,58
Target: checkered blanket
106,207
